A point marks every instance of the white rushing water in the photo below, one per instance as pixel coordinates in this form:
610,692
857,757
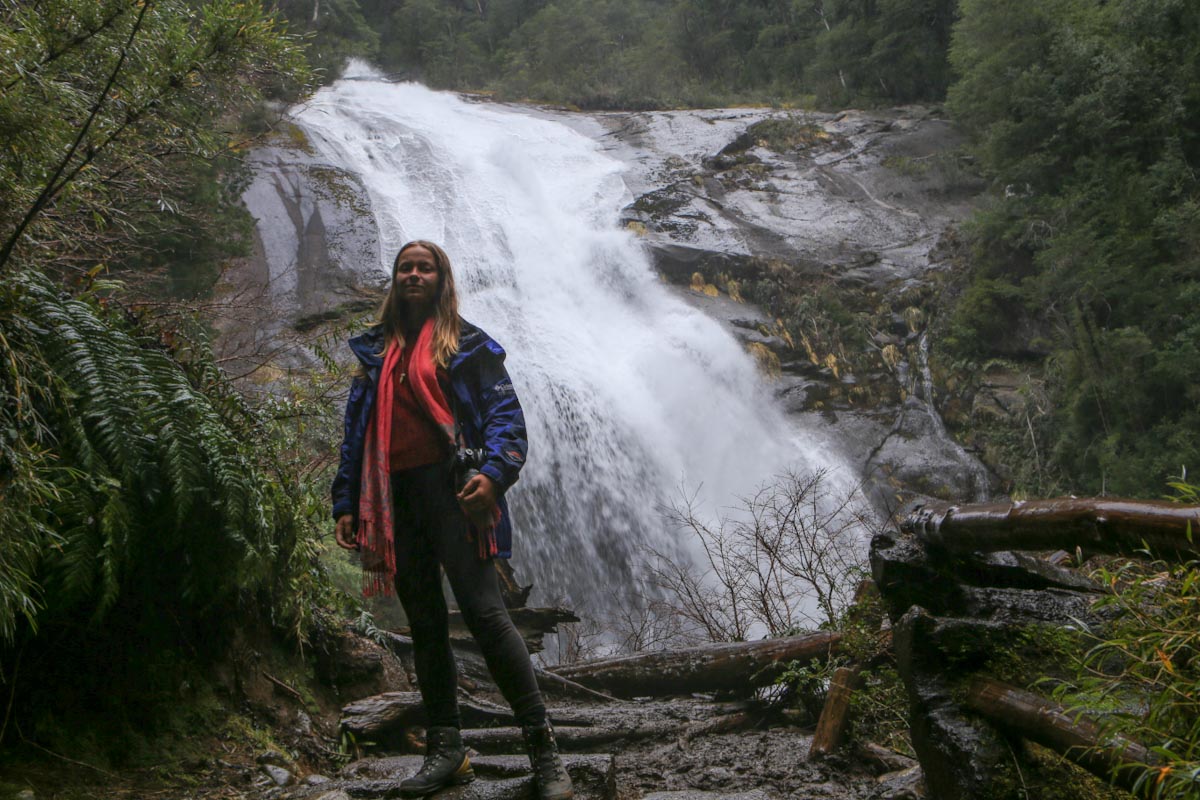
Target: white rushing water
629,392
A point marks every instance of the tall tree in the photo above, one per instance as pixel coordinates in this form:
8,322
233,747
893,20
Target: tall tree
100,98
1086,115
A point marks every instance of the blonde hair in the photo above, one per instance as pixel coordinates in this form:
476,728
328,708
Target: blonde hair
445,307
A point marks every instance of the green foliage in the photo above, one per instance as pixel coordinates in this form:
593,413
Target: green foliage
100,105
647,53
1143,679
145,506
153,509
335,29
149,458
879,704
1086,117
982,316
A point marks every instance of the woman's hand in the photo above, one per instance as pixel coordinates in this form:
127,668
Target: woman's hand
477,499
343,532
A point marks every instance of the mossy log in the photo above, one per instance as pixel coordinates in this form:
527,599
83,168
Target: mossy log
1066,523
1110,757
548,682
739,667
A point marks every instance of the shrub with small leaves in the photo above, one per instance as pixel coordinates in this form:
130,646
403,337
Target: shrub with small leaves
1143,678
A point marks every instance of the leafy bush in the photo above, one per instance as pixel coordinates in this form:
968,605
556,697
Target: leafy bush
147,453
1084,116
145,503
1143,677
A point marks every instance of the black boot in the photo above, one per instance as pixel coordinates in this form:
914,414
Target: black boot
446,764
550,778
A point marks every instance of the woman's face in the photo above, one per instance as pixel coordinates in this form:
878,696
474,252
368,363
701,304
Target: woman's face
417,279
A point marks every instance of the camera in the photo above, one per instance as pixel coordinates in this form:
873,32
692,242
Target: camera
465,465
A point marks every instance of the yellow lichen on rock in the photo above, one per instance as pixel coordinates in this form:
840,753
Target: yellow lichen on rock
767,361
730,286
914,318
808,349
784,333
891,355
638,228
701,286
831,361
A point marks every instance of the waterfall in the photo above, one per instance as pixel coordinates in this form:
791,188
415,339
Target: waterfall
979,473
630,393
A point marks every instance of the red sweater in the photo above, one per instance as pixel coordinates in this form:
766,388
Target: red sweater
416,439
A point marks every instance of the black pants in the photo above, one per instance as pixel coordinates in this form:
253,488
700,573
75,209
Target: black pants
431,531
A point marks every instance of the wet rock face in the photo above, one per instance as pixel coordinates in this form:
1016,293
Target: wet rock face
960,757
780,209
316,230
316,257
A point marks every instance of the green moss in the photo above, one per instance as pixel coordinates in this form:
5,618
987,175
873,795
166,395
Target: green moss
341,187
785,134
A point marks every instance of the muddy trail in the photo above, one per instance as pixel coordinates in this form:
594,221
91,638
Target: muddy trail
696,745
684,748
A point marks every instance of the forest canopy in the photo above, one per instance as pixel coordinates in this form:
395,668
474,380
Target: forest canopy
647,53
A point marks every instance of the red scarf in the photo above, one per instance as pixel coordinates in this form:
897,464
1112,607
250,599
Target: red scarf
376,534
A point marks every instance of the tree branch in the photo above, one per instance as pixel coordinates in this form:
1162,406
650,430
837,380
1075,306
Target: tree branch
51,188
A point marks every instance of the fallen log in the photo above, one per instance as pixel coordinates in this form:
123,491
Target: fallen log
831,725
393,711
547,681
1112,758
532,623
710,668
1101,525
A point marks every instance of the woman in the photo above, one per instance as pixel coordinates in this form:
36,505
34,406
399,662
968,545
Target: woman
432,393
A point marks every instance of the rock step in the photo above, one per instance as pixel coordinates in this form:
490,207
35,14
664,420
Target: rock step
496,778
570,738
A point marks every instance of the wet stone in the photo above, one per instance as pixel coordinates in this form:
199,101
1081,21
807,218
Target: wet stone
278,775
905,784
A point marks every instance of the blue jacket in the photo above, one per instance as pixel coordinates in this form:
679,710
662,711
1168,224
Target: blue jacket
486,411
